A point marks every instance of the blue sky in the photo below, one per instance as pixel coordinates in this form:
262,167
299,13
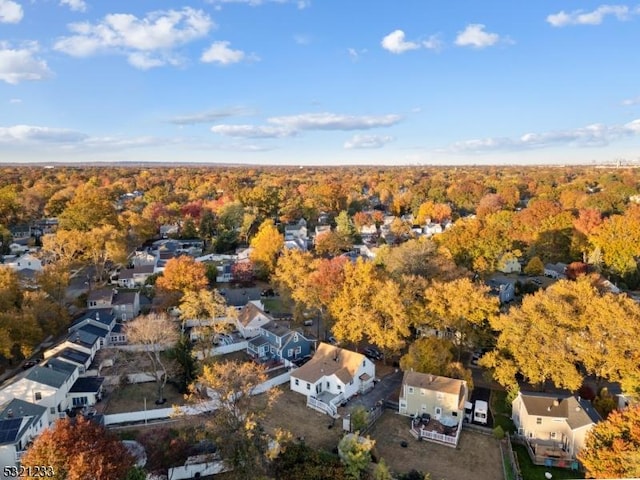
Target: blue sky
319,81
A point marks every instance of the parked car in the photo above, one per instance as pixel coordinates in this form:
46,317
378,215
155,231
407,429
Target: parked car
28,364
298,362
332,340
268,292
372,353
308,322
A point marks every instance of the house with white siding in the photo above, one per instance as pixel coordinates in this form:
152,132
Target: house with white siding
20,423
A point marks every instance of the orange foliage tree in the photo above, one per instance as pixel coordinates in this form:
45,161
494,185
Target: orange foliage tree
79,449
182,274
612,447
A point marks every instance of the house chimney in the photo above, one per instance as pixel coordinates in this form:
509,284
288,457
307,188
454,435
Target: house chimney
9,413
98,316
556,403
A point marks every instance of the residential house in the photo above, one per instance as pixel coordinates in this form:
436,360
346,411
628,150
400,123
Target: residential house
20,232
441,397
126,305
42,385
135,277
509,263
98,322
142,258
368,231
296,244
553,426
431,229
76,357
251,318
224,272
296,231
26,261
20,423
86,391
277,342
118,336
77,341
332,376
100,298
556,270
170,229
502,287
321,229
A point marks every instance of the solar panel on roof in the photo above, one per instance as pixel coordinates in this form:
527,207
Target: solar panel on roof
9,429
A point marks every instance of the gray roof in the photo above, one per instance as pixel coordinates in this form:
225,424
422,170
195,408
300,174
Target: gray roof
48,376
102,294
73,355
578,413
17,416
103,316
83,338
61,366
124,298
94,330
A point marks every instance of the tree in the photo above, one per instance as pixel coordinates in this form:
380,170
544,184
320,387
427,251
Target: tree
266,245
331,243
345,226
462,307
79,449
534,267
355,453
428,355
103,244
182,274
54,280
298,461
234,386
381,472
89,208
243,272
64,245
612,447
156,333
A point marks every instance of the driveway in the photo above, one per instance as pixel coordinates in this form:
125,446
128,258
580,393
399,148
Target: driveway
382,391
480,393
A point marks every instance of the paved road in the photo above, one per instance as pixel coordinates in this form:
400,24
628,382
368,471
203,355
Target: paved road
381,391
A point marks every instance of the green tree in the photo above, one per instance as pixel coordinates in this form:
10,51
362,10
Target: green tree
345,226
534,267
355,453
382,472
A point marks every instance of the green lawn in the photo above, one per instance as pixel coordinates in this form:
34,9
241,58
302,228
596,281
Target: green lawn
536,472
275,305
501,410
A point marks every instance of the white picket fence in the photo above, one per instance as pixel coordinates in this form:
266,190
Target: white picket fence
224,349
190,471
273,382
133,417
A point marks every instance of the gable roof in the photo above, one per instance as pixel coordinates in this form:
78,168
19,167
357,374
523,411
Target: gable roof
100,295
15,417
249,313
102,316
128,273
330,360
73,355
124,298
61,366
94,330
48,376
87,385
83,338
436,383
577,413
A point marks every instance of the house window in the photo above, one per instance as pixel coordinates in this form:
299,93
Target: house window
52,410
38,396
290,352
298,350
295,337
438,411
297,382
539,421
454,414
364,362
553,434
328,385
530,434
410,389
308,386
80,401
339,387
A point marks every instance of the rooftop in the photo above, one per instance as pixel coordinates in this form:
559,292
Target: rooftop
577,412
330,360
87,385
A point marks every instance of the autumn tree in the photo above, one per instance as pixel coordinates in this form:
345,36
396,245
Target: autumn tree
534,267
89,208
345,226
64,245
331,243
54,280
233,386
428,355
355,453
462,307
79,449
612,447
182,274
155,333
103,244
266,245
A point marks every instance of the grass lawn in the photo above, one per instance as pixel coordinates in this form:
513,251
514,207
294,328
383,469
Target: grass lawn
501,410
276,305
131,398
535,472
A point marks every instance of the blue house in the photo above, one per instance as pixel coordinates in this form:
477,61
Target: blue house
277,342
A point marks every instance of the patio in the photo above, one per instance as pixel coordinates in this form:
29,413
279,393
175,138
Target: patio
425,427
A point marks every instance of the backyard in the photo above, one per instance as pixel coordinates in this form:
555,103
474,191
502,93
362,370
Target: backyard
131,398
477,455
530,471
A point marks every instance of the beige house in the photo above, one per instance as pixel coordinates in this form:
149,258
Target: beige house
553,426
441,397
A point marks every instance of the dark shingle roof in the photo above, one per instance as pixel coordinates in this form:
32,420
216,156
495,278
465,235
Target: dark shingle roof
16,417
87,385
94,330
73,355
103,316
124,298
61,366
82,338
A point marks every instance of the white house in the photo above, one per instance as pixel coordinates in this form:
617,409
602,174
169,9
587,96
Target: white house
135,277
20,423
26,261
78,340
42,385
554,426
556,270
333,375
296,231
251,318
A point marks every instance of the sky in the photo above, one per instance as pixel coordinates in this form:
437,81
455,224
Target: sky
319,82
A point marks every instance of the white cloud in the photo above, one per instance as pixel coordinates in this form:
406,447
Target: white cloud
15,101
10,11
434,42
287,126
252,131
367,141
474,35
595,17
219,52
75,5
631,101
333,121
356,54
595,135
20,64
36,134
210,116
395,43
302,39
147,42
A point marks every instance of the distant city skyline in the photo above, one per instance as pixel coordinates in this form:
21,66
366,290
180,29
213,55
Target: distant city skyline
319,82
